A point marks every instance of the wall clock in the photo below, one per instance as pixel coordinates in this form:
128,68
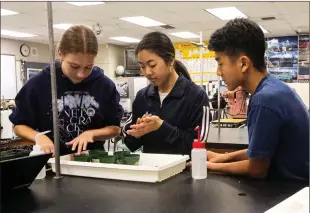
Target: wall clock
25,50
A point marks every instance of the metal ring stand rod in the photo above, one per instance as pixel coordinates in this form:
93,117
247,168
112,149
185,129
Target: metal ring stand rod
201,60
201,45
218,109
53,87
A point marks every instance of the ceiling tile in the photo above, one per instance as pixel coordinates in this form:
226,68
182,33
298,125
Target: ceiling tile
291,7
258,9
297,20
184,16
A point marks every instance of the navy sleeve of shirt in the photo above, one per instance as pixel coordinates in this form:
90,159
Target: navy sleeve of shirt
131,142
184,138
115,112
263,127
25,111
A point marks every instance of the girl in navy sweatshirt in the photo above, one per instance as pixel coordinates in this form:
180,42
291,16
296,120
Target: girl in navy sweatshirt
88,102
166,112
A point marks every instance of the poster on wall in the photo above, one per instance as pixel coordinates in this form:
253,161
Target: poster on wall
122,87
186,50
189,55
282,57
303,61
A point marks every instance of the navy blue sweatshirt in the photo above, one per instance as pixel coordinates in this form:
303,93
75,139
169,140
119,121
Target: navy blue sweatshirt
181,111
91,104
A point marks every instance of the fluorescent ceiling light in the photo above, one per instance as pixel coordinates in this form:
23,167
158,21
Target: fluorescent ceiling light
125,39
142,21
62,26
5,12
185,35
263,29
86,3
15,34
226,13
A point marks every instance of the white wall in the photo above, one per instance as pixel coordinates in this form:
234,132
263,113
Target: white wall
302,89
12,47
117,53
108,58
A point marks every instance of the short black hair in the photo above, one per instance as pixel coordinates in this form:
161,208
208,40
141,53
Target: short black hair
238,36
160,44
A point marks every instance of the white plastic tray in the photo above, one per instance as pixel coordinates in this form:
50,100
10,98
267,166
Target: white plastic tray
297,203
151,168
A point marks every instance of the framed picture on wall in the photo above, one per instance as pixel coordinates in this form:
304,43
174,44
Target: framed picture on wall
30,72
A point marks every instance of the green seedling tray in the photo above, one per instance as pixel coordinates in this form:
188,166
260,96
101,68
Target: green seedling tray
107,159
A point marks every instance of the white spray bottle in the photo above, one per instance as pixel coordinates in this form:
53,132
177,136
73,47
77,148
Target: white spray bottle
37,151
199,158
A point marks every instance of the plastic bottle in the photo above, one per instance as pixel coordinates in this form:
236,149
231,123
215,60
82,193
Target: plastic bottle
199,158
37,151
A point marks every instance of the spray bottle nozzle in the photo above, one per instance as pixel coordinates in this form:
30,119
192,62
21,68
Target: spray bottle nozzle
198,132
41,133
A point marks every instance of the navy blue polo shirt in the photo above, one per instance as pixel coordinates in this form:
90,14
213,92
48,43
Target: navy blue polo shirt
278,125
181,111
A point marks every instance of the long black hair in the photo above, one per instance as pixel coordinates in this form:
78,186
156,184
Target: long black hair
160,44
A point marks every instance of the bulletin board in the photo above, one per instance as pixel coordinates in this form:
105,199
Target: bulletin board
282,56
8,77
303,59
189,55
288,58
